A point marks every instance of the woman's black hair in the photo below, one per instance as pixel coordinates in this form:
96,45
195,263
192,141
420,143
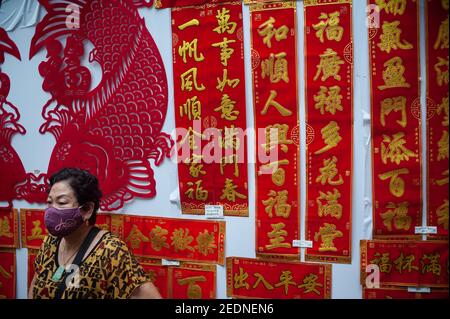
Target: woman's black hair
85,186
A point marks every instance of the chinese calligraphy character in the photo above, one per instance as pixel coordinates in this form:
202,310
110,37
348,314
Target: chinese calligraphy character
442,213
330,65
230,159
181,239
393,74
275,67
240,280
443,109
398,214
135,237
191,23
190,49
392,6
262,280
329,25
443,146
395,149
332,207
225,50
229,191
396,104
5,228
205,243
192,109
328,233
227,108
194,291
223,17
442,38
278,173
310,283
328,100
199,192
277,237
277,200
268,31
195,166
225,81
271,102
277,135
331,137
432,265
396,184
158,238
390,39
441,68
383,261
231,141
328,172
188,79
285,280
405,263
193,137
36,232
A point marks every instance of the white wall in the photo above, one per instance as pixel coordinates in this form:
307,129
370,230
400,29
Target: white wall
35,149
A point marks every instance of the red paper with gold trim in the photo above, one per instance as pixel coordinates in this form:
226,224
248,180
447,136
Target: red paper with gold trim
32,227
9,228
103,221
157,273
7,274
329,117
208,58
402,293
396,127
274,66
437,115
32,253
407,263
161,4
193,281
173,238
269,279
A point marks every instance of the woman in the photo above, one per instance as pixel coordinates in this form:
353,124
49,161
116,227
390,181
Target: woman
77,259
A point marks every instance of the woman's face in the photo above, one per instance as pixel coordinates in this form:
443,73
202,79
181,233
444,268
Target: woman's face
62,196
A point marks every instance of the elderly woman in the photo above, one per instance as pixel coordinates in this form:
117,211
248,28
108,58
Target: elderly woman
77,259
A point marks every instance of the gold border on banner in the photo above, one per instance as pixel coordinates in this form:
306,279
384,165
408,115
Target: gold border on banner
307,3
260,6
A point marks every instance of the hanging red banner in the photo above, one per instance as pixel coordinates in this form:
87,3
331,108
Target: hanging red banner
269,279
396,127
157,273
161,4
208,58
32,253
33,230
437,115
274,66
103,221
7,274
406,263
403,293
9,228
172,238
329,121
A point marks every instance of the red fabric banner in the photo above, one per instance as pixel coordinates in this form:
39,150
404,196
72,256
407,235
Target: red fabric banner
173,238
32,253
7,274
257,278
9,228
103,221
396,127
161,4
406,263
157,273
402,293
274,66
329,117
33,230
437,115
208,58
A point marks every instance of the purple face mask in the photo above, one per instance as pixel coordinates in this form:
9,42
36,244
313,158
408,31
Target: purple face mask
62,222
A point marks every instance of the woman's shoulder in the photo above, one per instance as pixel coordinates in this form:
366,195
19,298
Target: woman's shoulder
112,242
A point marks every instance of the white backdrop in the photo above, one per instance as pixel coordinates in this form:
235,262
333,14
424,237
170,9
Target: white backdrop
35,149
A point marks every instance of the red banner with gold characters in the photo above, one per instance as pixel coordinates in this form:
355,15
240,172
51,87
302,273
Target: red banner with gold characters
7,274
406,263
9,228
209,89
403,293
437,115
274,69
172,238
161,4
32,253
395,119
270,279
329,121
33,230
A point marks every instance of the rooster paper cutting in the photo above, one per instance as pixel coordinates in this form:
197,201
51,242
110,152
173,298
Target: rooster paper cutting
114,129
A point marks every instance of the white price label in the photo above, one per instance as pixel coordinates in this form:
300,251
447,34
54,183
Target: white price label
214,211
166,262
424,230
302,243
423,290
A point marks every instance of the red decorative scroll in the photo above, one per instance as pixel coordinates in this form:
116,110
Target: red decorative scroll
329,118
33,230
396,127
103,221
9,228
115,129
437,115
172,238
406,263
274,64
256,278
7,274
161,4
158,274
32,253
402,293
209,84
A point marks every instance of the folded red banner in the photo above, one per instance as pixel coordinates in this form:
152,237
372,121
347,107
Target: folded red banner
405,263
403,293
9,228
33,230
395,119
172,238
7,274
329,117
274,69
258,278
437,116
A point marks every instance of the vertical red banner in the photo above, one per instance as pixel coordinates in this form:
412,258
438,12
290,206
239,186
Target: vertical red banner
7,274
329,118
9,228
396,127
209,84
274,65
32,254
32,228
437,115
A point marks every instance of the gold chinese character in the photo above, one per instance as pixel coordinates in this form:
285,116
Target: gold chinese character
277,200
329,25
225,50
277,237
396,184
405,263
330,65
194,291
227,108
441,68
328,233
392,6
395,149
190,49
275,67
328,100
443,146
240,280
229,191
444,180
277,135
199,192
444,4
223,17
136,237
231,141
195,166
331,137
225,81
332,207
278,173
37,232
310,283
442,38
286,280
190,23
158,238
443,109
328,172
192,109
262,280
383,261
271,102
5,228
230,159
442,213
268,31
396,104
193,137
390,39
181,239
206,243
397,214
4,273
393,74
430,263
188,79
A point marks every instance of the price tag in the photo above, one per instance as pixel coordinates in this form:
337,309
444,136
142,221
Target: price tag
166,262
214,211
423,290
302,243
424,230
